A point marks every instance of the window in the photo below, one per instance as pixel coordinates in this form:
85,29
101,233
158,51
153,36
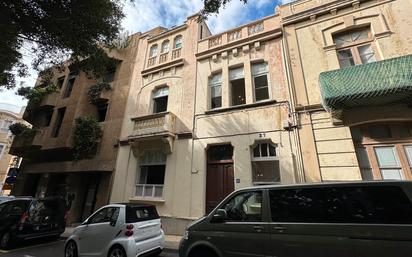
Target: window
237,82
260,81
153,51
165,47
408,150
138,214
59,121
379,131
60,82
152,174
354,47
160,97
105,215
2,146
4,125
48,117
364,164
265,164
109,77
389,164
244,207
101,112
178,42
368,204
215,84
69,85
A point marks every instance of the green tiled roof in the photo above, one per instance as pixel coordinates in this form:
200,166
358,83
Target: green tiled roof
383,82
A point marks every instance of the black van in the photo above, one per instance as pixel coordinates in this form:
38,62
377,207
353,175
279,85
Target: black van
364,219
28,218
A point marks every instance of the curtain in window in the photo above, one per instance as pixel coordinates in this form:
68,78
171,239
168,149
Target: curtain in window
259,68
153,157
236,73
164,91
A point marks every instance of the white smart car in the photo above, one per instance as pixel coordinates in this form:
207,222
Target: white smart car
118,230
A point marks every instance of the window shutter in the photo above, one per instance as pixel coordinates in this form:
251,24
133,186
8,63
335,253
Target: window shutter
259,68
236,73
164,91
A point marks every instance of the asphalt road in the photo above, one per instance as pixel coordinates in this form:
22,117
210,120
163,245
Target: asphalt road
47,248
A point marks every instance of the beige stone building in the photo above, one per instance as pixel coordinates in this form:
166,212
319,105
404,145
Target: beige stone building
50,168
154,159
9,114
206,115
349,65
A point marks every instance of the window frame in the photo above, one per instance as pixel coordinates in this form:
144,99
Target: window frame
155,97
181,42
263,208
153,54
105,208
2,150
231,102
213,85
353,47
268,158
267,79
165,42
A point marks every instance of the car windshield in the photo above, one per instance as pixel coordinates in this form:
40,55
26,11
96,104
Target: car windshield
141,213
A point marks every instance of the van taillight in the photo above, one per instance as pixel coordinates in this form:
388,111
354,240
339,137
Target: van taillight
22,220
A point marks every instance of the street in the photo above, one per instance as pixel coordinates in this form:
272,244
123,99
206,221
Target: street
49,248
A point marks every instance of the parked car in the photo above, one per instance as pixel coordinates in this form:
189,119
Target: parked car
6,198
118,230
28,218
339,219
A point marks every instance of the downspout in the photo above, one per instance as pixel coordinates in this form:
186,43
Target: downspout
294,114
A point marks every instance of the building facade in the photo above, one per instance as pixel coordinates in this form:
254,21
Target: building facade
350,69
9,114
50,168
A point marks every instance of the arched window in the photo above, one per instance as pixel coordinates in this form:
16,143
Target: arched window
265,163
160,97
177,42
355,47
153,51
165,47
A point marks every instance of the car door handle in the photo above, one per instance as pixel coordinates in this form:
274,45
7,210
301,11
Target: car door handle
280,229
258,228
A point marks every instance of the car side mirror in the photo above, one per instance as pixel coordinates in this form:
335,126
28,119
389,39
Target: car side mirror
220,216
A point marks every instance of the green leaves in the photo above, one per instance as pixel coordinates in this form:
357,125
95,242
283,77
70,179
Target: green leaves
36,94
86,137
95,91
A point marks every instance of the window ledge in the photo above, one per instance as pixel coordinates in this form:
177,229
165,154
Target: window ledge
243,106
147,199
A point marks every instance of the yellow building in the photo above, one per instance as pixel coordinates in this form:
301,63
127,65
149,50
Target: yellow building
9,114
349,64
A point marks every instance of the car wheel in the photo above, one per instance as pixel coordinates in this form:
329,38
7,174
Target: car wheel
203,253
5,240
71,249
117,251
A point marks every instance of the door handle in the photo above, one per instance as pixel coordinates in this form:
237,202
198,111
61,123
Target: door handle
258,228
280,229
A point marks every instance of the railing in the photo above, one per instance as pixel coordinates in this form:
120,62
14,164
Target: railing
176,53
215,41
149,190
159,123
234,35
163,58
255,28
151,61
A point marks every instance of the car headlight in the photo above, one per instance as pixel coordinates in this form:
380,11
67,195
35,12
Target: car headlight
186,235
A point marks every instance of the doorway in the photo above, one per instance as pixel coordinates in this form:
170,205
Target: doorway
219,175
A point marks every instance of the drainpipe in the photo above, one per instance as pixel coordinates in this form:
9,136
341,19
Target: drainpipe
293,113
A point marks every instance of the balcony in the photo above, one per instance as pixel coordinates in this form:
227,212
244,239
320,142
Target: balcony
49,101
164,58
22,144
159,124
379,83
248,31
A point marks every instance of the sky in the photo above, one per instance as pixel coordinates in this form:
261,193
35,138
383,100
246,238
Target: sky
143,15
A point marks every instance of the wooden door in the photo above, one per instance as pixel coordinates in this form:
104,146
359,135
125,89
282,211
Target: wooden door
219,184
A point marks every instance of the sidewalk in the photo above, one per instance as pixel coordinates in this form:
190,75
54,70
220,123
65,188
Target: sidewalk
171,241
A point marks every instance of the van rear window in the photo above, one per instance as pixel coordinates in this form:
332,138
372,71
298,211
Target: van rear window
141,213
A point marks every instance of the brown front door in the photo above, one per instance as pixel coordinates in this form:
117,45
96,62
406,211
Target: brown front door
220,175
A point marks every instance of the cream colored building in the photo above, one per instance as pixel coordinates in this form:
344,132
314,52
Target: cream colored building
9,114
154,158
206,115
350,64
